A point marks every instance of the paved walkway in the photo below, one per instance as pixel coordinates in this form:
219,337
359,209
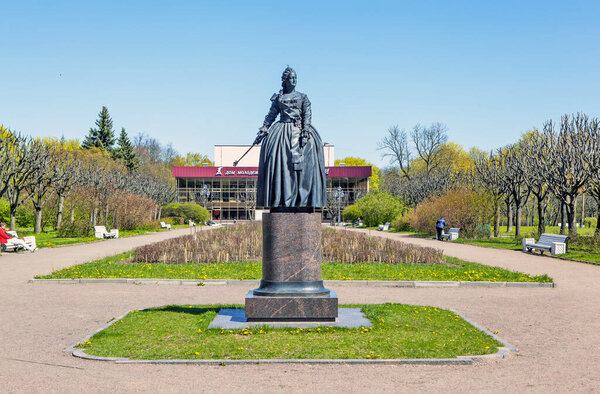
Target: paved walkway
556,330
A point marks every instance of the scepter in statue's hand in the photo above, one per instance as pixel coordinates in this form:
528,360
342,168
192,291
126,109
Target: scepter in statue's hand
263,132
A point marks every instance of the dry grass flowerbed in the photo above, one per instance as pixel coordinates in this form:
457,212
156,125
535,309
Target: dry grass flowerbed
243,242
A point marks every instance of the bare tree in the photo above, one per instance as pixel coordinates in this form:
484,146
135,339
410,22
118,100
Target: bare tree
395,146
515,174
42,180
535,158
26,159
489,171
9,144
68,175
572,159
428,141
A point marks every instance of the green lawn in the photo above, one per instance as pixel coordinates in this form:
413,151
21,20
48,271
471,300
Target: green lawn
398,332
530,230
456,270
50,239
579,252
575,252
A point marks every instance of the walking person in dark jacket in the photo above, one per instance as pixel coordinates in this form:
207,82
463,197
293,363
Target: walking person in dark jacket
439,227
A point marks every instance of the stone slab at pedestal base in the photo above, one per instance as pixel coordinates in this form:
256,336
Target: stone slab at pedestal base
291,308
235,319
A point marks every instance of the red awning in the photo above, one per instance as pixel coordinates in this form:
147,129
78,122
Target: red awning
252,172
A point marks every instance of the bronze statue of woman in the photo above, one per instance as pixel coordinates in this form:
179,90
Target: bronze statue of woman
291,171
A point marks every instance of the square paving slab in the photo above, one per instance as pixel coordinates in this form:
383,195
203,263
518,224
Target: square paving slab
235,319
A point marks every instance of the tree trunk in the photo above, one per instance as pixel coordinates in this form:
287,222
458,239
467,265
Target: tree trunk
95,216
581,223
59,215
518,222
597,232
38,220
570,208
159,211
72,213
562,218
106,217
509,217
541,216
497,220
13,217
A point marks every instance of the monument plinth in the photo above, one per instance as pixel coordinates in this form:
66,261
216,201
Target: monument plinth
291,288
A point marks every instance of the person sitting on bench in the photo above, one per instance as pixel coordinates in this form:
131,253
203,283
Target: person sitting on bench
7,239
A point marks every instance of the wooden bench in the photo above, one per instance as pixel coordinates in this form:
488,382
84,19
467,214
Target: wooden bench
100,232
384,227
451,235
30,241
555,243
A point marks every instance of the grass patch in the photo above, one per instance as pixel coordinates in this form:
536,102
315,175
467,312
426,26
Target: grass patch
118,266
398,332
50,239
575,252
581,250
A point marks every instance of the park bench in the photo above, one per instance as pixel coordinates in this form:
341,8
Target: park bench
556,244
30,241
384,227
164,225
100,232
451,235
190,223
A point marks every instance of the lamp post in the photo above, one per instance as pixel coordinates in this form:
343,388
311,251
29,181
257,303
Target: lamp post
204,193
339,194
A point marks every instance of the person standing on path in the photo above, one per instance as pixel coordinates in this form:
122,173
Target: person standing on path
439,227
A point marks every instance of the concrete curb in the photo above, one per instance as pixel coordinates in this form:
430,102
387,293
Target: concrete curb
503,352
379,283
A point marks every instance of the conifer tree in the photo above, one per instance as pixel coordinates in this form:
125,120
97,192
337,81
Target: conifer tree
125,151
103,136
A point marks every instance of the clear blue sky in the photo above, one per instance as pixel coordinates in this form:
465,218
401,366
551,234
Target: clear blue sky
199,73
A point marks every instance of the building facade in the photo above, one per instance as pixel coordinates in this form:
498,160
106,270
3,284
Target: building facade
229,192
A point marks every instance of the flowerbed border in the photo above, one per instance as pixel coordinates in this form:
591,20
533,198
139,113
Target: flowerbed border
503,352
380,283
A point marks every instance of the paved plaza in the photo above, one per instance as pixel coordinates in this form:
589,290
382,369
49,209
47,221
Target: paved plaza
557,330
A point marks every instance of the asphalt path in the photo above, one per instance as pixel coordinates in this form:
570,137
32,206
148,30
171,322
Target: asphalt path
557,330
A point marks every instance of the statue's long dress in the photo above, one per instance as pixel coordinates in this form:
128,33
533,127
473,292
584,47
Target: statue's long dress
290,176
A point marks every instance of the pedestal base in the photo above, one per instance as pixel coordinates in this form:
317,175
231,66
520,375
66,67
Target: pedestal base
265,308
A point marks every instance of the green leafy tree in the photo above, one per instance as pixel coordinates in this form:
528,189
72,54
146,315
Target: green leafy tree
357,162
379,208
351,213
125,151
191,159
102,137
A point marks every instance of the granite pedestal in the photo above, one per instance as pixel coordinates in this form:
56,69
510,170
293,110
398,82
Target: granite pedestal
291,288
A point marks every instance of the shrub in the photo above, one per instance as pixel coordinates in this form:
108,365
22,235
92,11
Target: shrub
590,222
77,229
25,214
148,225
402,223
173,220
351,213
244,243
187,211
462,208
379,208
